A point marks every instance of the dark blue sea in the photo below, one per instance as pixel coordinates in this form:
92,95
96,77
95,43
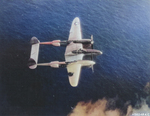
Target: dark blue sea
121,30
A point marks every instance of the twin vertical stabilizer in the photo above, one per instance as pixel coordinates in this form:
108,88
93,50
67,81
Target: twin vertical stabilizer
34,53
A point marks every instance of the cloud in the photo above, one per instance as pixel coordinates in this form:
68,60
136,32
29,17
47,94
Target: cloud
114,106
144,110
101,107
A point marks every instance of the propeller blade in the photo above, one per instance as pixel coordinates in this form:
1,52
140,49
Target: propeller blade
92,69
92,42
92,46
92,37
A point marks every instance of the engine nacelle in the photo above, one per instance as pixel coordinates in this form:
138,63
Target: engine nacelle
56,44
83,41
56,41
54,64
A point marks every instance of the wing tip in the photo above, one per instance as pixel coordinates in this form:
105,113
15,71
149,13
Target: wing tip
73,82
76,20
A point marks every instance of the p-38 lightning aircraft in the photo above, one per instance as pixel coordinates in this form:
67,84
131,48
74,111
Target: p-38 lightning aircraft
75,50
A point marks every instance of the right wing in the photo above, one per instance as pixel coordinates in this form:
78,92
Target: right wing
74,70
75,34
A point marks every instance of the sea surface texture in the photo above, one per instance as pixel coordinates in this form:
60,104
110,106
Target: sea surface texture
121,30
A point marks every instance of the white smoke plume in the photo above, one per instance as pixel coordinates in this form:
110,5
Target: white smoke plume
144,110
108,107
99,108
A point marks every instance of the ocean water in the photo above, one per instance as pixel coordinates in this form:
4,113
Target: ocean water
121,30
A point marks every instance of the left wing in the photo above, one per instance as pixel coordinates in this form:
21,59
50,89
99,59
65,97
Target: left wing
75,34
74,70
75,31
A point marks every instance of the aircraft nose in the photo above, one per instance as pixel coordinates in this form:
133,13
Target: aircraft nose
92,62
100,52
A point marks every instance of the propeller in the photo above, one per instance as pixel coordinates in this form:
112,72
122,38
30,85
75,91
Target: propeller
92,45
92,42
92,69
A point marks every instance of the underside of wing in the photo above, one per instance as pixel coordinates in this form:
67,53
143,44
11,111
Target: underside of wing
75,31
75,34
71,47
72,58
74,70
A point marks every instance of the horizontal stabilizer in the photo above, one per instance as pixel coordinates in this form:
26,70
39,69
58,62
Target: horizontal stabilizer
34,53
